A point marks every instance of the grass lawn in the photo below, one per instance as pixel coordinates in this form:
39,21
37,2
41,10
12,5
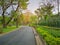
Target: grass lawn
8,29
50,35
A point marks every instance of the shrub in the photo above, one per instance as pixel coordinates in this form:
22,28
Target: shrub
50,39
53,21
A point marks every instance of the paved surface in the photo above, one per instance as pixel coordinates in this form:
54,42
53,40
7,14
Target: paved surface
23,36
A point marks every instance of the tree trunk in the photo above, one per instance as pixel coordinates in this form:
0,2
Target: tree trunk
9,20
17,10
3,20
3,17
12,16
58,6
16,23
4,9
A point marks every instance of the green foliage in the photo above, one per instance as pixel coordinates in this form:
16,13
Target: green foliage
45,11
23,4
47,18
54,31
5,4
33,20
0,20
2,2
53,21
48,37
8,29
14,14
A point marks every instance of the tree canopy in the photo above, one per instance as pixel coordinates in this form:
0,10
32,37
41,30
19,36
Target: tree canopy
5,4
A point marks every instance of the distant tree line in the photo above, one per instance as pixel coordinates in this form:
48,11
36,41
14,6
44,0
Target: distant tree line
46,16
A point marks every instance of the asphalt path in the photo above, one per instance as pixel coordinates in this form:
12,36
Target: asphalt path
22,36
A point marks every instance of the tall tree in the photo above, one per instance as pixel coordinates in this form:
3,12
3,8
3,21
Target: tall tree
58,6
45,11
5,4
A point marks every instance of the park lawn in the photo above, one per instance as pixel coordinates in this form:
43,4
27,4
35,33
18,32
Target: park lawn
8,29
51,36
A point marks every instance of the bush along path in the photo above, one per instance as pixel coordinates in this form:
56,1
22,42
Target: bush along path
50,39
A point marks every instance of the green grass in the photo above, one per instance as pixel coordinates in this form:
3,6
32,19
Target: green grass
48,35
8,29
53,31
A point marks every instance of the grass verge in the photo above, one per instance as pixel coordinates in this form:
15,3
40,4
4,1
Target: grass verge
8,29
48,35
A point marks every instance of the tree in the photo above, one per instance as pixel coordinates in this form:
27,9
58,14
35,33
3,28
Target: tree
58,6
33,20
45,11
5,4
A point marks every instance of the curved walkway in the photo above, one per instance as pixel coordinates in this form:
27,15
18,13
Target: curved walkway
22,36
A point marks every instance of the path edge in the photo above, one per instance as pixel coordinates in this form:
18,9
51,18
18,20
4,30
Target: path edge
38,38
10,31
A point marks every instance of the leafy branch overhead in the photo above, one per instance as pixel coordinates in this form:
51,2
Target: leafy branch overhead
5,4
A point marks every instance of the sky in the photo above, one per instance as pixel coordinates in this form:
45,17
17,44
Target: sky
33,5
